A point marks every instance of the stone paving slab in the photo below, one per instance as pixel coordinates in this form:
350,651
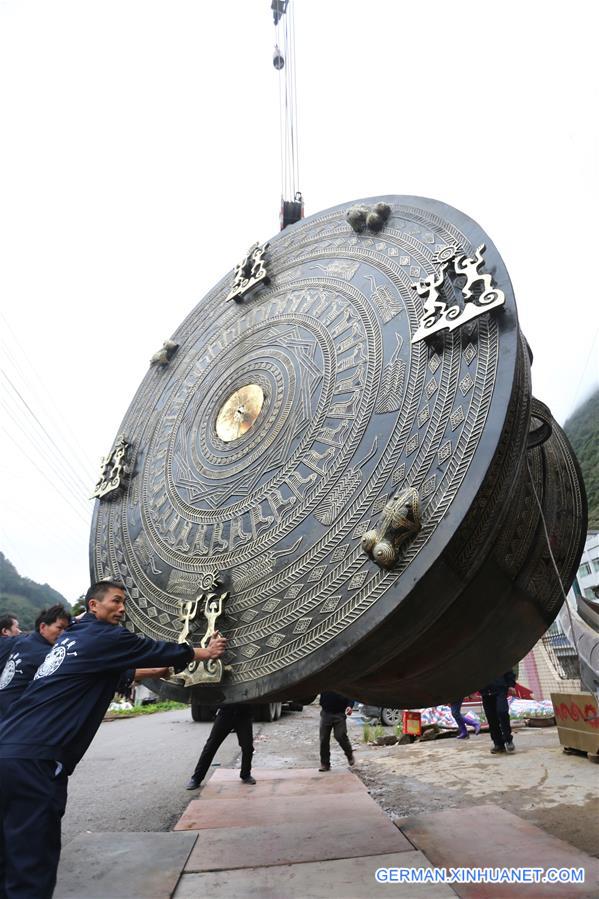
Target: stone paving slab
350,878
488,836
213,813
122,865
301,786
305,841
227,774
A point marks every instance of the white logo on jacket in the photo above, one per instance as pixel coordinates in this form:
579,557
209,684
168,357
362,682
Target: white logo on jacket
10,669
55,658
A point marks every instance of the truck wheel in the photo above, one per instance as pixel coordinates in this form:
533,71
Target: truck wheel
390,717
270,711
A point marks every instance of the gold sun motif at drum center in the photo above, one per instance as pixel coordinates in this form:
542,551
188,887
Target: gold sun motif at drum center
239,412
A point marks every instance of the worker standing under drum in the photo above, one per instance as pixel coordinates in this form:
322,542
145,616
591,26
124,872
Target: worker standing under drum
333,717
497,710
237,718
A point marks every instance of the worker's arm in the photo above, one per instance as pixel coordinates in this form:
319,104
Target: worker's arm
140,673
215,648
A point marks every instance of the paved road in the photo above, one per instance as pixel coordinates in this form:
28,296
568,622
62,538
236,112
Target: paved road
134,774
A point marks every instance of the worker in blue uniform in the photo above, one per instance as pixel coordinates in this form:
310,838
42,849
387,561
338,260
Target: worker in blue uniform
9,631
28,652
6,646
49,727
9,625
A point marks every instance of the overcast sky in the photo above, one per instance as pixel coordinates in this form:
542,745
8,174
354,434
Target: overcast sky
139,158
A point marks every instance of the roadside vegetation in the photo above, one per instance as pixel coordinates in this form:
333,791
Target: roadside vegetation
148,709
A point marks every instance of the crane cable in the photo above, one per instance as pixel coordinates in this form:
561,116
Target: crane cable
284,62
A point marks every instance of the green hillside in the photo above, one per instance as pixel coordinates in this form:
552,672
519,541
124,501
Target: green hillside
24,597
582,429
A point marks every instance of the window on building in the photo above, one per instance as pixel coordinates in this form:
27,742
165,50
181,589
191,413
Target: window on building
595,564
570,667
561,653
584,570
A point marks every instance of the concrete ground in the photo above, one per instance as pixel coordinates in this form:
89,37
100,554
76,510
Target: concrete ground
539,782
133,776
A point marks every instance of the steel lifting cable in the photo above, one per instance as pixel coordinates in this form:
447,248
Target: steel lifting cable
281,127
296,180
289,111
284,74
284,62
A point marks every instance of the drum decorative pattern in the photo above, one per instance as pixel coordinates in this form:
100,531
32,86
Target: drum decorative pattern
352,413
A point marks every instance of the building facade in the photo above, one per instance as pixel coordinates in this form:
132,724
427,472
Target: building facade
588,570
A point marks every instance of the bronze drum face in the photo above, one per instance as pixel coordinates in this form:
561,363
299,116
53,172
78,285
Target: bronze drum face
344,442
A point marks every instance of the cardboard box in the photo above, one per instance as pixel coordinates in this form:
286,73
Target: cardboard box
577,718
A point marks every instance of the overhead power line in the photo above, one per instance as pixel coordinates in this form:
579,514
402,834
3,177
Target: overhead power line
27,376
46,458
51,483
76,477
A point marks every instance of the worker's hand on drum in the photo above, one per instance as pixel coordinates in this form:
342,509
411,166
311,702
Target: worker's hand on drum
215,648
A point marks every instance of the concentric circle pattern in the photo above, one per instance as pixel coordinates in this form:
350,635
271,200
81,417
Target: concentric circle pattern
351,413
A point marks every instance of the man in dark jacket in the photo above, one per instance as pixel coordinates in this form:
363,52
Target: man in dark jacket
49,727
6,646
495,704
333,711
28,652
9,626
236,717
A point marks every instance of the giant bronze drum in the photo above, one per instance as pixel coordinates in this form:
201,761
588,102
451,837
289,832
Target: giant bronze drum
337,462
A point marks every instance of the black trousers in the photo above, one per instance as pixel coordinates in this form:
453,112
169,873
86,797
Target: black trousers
497,711
32,803
222,727
337,723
